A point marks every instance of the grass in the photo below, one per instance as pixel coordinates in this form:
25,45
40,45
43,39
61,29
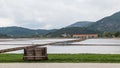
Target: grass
65,58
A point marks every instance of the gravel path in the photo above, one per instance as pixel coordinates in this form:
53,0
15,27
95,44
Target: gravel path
59,65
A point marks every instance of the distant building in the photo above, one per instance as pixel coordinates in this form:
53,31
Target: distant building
66,35
85,35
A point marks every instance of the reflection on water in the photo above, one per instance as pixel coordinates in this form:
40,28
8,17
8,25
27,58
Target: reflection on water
71,49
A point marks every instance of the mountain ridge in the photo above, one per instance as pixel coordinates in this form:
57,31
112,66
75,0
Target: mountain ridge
15,31
81,24
107,24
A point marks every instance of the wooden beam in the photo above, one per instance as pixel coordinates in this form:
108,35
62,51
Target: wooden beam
11,49
87,44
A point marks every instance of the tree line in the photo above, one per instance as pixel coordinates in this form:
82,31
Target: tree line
111,34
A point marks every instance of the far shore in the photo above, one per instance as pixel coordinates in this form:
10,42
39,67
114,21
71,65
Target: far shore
57,38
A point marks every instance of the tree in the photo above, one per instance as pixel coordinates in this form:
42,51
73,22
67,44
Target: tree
117,34
107,34
111,34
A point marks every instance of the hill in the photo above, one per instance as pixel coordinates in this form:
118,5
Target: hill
81,24
107,24
22,32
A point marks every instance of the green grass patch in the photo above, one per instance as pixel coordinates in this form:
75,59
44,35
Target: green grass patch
66,58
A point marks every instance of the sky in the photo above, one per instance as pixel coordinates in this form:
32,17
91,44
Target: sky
53,14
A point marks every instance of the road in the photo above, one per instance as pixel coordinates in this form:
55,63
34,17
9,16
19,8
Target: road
59,65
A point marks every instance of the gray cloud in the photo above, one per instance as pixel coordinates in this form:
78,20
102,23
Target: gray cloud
54,13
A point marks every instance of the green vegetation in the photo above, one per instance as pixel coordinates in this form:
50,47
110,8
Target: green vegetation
3,36
111,34
64,58
11,58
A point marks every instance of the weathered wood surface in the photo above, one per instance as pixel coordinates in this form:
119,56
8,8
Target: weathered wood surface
36,45
35,54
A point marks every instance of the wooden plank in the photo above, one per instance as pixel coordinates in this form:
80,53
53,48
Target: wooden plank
11,49
86,45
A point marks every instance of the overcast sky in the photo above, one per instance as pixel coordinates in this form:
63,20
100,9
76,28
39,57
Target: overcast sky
50,14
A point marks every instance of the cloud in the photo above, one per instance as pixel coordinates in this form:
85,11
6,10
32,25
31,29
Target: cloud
6,22
49,14
47,26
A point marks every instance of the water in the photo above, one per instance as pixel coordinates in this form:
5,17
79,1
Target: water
99,41
99,48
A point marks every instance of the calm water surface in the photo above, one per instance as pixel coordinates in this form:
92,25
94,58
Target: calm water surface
98,48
